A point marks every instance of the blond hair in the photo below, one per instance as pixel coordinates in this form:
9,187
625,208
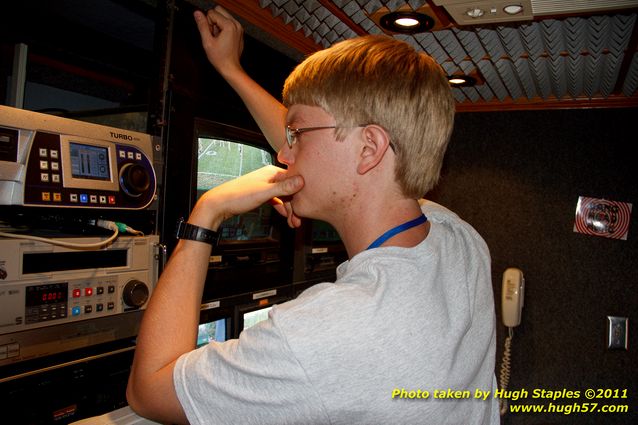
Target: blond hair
384,81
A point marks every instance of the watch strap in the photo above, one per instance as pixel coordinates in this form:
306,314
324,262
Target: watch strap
192,232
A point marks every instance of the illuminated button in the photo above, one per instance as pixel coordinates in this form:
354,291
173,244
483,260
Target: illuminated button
55,178
99,290
99,307
77,293
102,199
130,155
138,156
110,306
111,289
57,197
93,199
88,292
122,154
88,308
73,197
44,165
43,152
55,166
111,199
46,196
44,177
54,154
84,198
75,311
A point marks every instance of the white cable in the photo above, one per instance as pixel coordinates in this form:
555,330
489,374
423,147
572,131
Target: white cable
62,243
504,378
115,226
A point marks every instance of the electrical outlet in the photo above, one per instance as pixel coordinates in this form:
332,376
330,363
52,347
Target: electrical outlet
618,332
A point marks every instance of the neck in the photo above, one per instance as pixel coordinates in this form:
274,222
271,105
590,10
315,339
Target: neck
364,225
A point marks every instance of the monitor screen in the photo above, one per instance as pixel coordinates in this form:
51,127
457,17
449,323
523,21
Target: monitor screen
251,318
211,331
220,160
89,161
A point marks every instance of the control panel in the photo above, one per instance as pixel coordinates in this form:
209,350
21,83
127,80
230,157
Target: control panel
43,285
57,162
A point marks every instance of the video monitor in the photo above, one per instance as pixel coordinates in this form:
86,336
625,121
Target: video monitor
215,330
220,160
255,249
249,315
251,318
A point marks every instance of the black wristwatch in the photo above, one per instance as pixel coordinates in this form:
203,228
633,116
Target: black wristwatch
191,232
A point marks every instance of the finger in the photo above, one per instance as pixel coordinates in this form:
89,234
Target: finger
224,12
290,185
222,18
203,24
293,220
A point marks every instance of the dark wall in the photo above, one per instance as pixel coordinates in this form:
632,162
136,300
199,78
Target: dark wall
516,177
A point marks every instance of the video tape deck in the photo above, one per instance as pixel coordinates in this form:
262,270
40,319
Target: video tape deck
49,290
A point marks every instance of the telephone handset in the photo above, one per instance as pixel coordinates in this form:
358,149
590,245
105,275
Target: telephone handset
513,291
512,297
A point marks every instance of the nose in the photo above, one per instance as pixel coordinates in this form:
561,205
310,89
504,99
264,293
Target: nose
285,155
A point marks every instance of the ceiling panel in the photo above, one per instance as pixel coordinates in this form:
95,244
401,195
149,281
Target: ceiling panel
562,60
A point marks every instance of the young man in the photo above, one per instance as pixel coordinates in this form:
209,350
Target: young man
406,334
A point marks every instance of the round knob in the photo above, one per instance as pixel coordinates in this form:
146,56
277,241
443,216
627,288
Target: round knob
135,293
134,179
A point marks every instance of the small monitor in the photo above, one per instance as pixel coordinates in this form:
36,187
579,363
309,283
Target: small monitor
251,318
89,161
212,331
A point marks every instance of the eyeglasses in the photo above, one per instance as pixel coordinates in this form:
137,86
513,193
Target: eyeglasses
292,133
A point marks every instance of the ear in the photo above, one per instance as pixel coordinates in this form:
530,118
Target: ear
376,142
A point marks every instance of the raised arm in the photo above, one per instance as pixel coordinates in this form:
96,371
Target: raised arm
222,39
169,325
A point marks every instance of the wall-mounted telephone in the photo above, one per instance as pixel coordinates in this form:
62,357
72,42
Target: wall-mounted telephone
513,292
512,297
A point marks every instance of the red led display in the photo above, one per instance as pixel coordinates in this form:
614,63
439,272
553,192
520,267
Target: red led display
52,293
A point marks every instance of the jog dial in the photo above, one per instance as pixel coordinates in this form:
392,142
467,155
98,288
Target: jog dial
134,179
135,293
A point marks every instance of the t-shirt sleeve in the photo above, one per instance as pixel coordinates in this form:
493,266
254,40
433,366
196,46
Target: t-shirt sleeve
251,380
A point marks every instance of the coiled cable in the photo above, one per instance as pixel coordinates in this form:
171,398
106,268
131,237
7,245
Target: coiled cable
504,377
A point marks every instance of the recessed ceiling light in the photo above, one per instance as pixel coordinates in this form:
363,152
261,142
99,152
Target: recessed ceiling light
461,80
475,12
407,22
513,9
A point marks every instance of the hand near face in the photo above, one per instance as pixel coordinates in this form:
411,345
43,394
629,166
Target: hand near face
268,184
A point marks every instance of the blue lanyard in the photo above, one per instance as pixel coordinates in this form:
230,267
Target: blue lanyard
396,230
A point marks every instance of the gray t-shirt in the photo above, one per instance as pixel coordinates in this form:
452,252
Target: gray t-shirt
402,321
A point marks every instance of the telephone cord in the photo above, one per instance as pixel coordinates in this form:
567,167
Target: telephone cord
505,370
